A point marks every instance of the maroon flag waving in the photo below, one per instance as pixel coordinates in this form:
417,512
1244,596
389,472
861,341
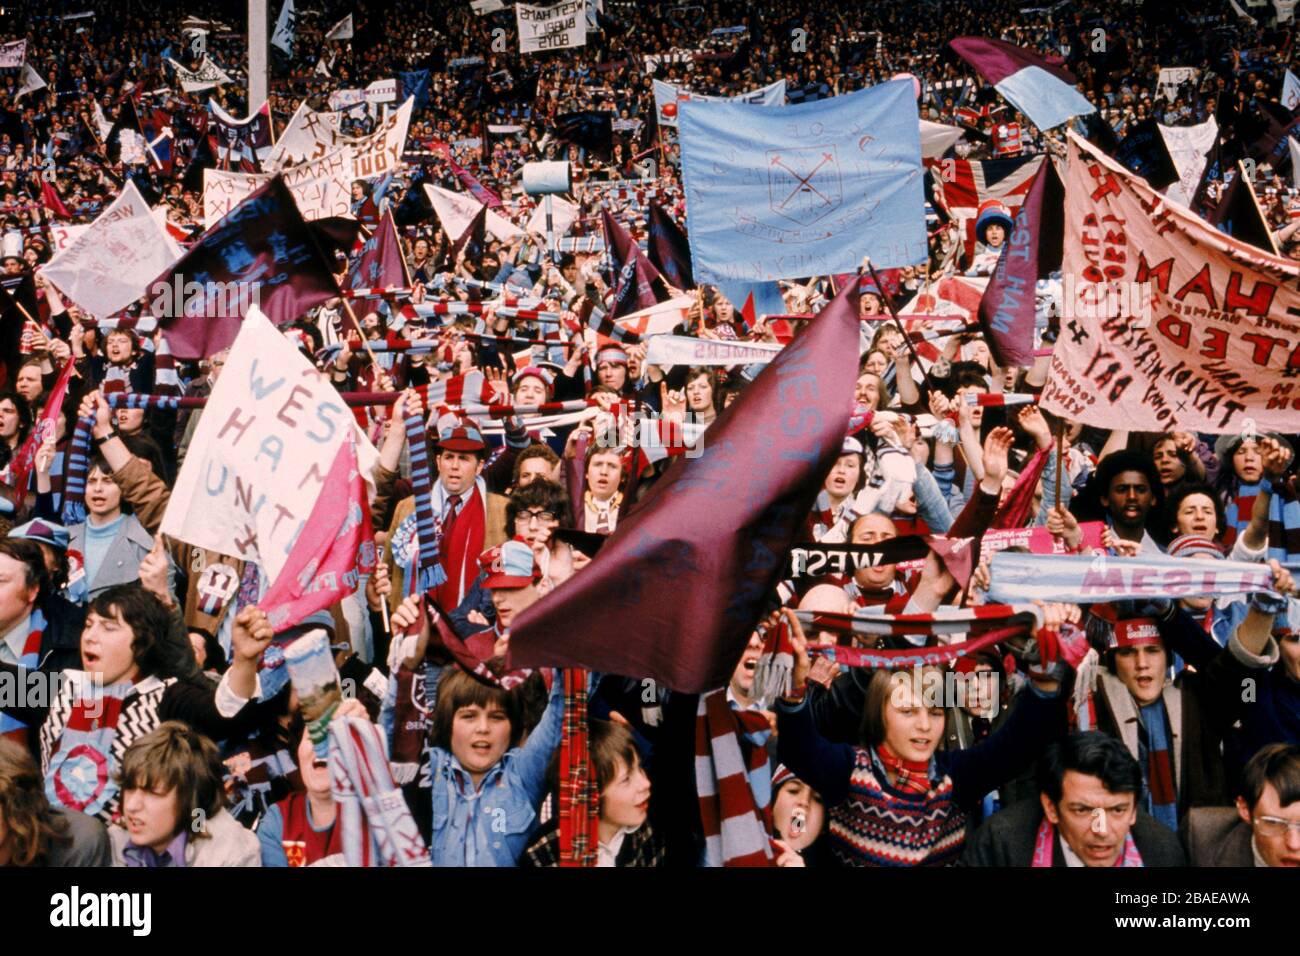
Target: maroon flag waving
1032,250
260,253
637,283
669,250
52,201
676,591
380,265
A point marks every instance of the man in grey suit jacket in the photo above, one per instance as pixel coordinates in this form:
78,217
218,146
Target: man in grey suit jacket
111,544
1086,814
1264,828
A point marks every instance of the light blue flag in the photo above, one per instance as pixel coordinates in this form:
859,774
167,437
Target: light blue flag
1047,101
784,192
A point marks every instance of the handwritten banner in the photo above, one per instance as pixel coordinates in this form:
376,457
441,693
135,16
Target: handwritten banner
560,27
1166,322
269,436
380,153
320,189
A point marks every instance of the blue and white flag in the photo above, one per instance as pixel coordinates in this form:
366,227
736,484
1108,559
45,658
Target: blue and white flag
285,28
784,192
1042,90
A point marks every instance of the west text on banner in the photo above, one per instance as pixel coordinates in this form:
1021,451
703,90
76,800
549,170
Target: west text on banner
270,434
1171,325
784,192
110,263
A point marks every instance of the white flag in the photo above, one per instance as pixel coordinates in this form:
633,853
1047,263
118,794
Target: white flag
1285,10
270,432
341,30
1290,91
563,215
110,264
31,80
457,210
309,135
1294,147
1188,146
321,69
205,77
284,28
1243,14
13,55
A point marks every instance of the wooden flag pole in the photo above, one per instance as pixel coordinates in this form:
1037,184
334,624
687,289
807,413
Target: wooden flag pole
889,304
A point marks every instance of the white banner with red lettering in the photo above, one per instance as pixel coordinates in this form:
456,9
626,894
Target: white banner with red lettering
1166,322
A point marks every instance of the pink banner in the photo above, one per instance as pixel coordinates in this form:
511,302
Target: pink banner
1166,322
336,547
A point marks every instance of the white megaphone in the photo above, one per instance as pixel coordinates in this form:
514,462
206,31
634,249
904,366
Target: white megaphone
547,179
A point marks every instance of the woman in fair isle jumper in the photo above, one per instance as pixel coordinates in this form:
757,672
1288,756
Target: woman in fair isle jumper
892,800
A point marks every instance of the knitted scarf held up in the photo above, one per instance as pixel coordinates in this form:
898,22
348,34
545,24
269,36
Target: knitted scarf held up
377,826
733,781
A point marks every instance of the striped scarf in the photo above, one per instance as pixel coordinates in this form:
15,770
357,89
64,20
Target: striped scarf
376,824
1157,764
1283,517
579,797
29,659
74,487
734,782
826,519
430,572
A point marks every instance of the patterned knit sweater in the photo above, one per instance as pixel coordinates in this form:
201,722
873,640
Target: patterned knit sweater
879,825
874,824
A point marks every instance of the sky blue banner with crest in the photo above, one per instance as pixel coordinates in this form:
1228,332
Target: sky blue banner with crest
806,190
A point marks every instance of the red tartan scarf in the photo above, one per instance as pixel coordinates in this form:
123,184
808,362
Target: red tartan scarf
734,782
579,796
460,547
910,776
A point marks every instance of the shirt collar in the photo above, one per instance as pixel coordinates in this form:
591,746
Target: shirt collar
1254,850
17,637
172,856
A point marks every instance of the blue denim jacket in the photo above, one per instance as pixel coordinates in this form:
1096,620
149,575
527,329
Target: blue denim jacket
492,826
